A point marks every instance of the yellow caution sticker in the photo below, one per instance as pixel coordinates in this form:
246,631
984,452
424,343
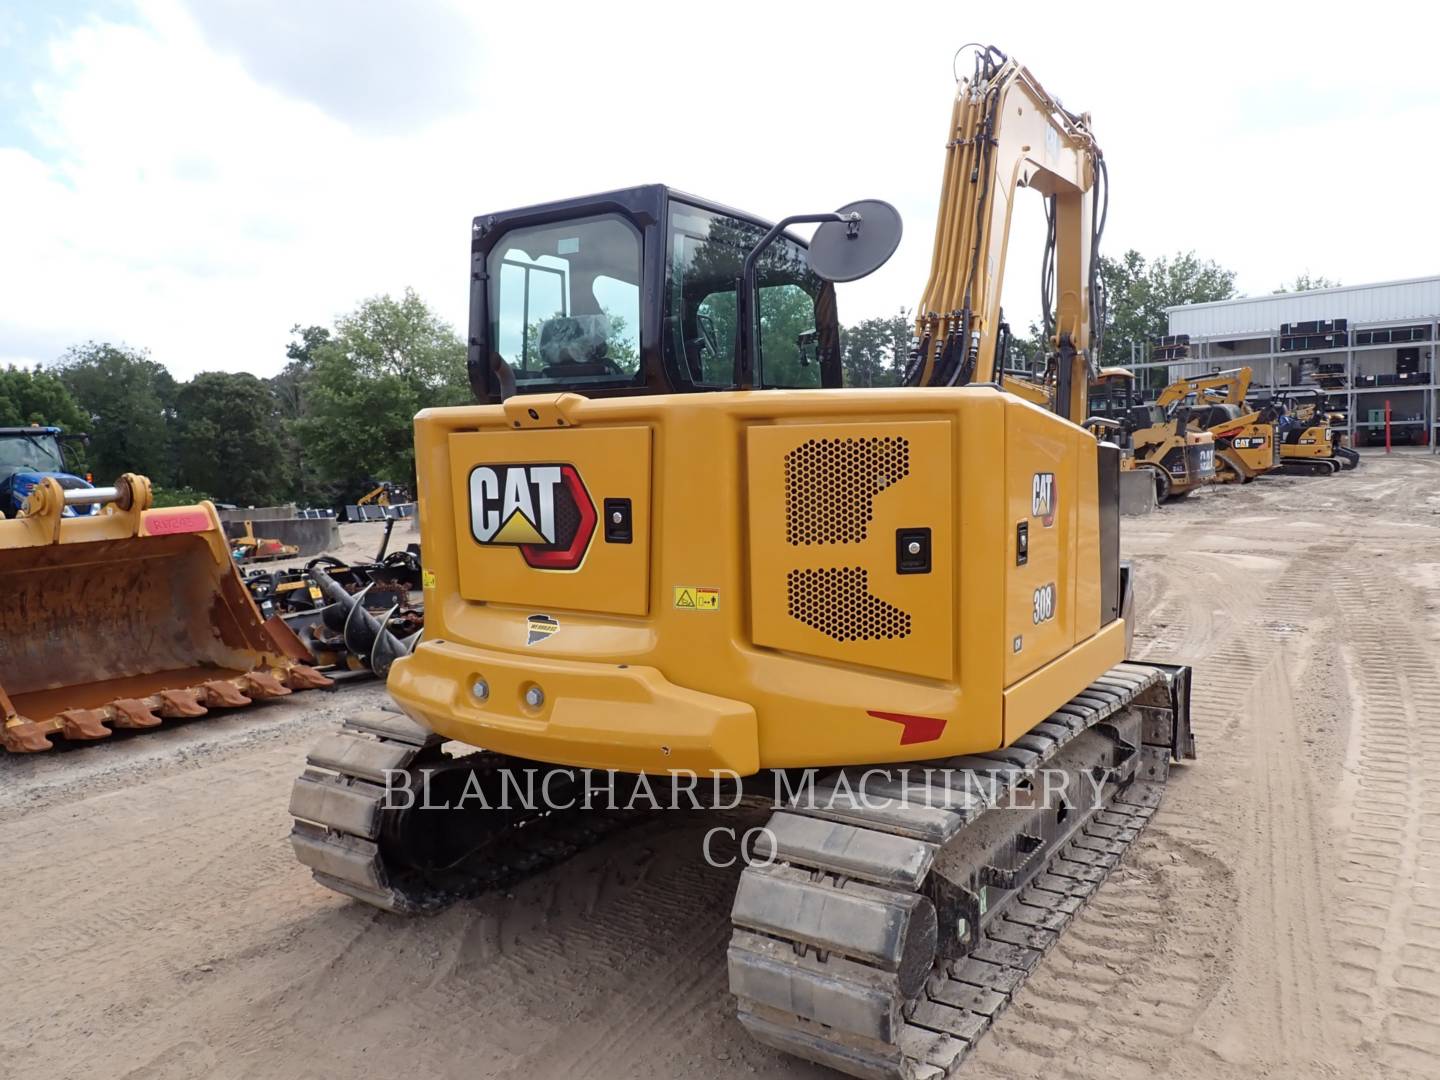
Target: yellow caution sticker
427,579
696,598
315,592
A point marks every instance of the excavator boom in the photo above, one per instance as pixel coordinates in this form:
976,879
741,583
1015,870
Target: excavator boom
1006,133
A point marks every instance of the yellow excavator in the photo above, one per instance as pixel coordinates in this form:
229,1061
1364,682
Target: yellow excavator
671,544
1178,456
1310,445
127,614
1245,442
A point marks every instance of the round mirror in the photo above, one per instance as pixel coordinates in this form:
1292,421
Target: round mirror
849,250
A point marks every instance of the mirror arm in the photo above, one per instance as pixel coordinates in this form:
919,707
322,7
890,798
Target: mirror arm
747,293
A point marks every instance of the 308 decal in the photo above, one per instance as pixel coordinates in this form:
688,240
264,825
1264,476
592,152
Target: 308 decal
1043,604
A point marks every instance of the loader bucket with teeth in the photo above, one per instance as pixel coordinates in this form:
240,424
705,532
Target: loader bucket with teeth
127,617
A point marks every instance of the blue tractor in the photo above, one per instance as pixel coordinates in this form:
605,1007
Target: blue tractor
27,456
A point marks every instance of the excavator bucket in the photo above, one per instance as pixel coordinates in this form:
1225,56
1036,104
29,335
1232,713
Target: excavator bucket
126,617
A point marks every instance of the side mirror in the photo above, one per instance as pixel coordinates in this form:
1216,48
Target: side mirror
856,240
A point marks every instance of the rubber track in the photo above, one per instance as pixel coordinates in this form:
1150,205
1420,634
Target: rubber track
961,999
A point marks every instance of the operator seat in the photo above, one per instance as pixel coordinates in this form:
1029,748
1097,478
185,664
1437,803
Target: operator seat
572,345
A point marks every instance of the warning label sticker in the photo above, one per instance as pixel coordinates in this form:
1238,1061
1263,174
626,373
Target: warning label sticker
696,598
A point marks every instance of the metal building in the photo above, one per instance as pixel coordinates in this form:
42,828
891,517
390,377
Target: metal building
1363,345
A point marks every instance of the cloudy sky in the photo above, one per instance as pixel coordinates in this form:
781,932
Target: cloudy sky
195,177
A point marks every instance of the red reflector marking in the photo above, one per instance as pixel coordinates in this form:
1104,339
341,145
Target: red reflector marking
914,728
186,521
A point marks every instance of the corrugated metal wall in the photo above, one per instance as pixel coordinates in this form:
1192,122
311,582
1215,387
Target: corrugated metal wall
1392,301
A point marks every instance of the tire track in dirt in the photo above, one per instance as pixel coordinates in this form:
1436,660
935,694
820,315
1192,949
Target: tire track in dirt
1124,988
1389,884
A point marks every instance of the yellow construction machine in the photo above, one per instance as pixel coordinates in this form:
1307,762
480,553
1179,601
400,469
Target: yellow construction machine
670,543
1310,445
1179,457
125,615
1245,442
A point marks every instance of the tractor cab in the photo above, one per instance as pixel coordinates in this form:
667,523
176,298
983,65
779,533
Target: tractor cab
27,456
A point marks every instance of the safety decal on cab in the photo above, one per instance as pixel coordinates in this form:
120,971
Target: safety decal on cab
1043,498
544,510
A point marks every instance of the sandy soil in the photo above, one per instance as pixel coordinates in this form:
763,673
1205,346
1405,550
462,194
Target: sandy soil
1280,918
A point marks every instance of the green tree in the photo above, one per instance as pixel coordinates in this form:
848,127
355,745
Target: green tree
129,402
387,360
291,390
1305,281
38,397
787,331
1139,290
874,352
228,439
1028,350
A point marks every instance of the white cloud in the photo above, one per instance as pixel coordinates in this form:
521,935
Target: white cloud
190,190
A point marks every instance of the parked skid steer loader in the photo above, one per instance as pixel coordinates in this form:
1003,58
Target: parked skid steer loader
1175,453
1245,439
126,616
671,540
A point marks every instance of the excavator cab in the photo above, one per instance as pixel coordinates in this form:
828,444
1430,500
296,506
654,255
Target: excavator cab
638,292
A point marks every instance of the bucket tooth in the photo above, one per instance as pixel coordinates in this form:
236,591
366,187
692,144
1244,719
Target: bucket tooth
181,703
133,713
261,684
220,693
84,724
24,737
303,677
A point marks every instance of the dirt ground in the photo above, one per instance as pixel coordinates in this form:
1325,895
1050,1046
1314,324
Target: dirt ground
1280,918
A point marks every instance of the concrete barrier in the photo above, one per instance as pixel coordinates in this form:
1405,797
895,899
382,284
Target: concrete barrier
257,513
1137,492
313,536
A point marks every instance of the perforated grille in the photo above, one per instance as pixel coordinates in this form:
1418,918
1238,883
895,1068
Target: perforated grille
837,602
830,483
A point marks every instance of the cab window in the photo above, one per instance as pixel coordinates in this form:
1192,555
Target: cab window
703,262
564,303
